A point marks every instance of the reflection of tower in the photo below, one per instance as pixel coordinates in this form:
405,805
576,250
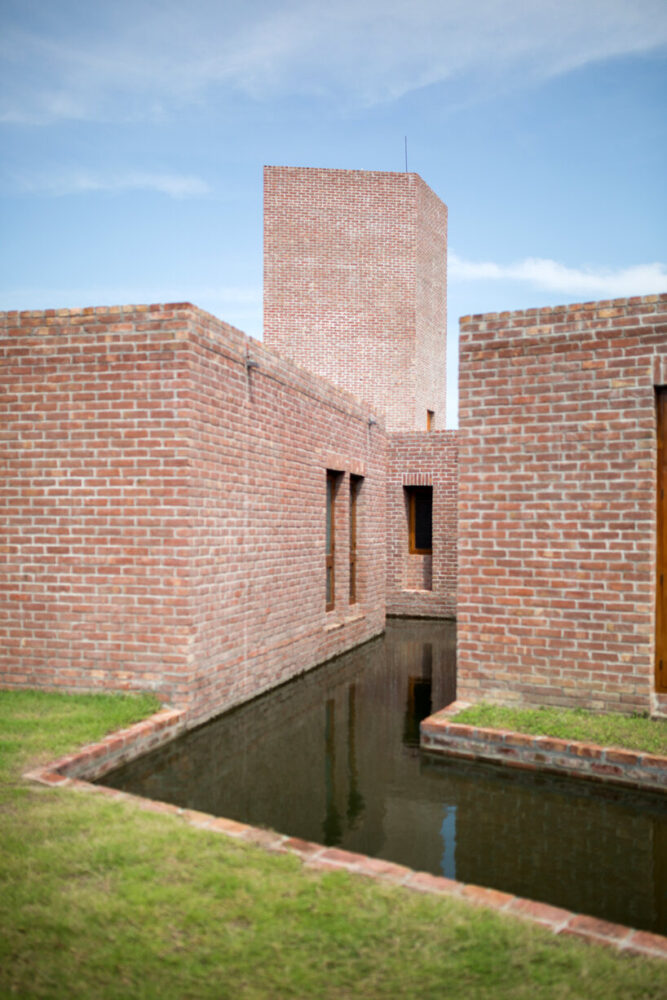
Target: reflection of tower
333,824
418,705
332,829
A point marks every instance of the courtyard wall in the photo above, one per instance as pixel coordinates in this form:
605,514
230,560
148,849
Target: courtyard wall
557,539
164,508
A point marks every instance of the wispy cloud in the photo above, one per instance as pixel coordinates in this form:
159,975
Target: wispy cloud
133,58
83,182
550,275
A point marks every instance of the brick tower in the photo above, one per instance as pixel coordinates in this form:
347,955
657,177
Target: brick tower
355,285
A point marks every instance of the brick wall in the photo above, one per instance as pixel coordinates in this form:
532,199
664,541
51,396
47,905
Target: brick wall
163,508
264,438
94,522
422,585
557,503
354,285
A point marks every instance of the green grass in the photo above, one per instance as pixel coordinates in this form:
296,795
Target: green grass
103,900
627,732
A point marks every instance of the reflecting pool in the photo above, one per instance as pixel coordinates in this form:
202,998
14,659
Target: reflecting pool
334,757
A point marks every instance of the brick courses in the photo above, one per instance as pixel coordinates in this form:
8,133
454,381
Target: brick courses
557,503
355,285
631,768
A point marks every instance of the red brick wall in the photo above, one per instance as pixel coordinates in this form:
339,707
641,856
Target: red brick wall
354,285
263,441
422,459
557,503
94,528
164,507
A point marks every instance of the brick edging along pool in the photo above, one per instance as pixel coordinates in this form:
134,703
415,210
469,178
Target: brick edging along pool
574,758
78,770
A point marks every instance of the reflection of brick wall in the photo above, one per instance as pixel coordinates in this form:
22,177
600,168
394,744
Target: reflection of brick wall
355,285
557,503
164,523
426,459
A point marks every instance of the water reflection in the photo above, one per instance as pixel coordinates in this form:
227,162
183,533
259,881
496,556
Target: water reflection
334,757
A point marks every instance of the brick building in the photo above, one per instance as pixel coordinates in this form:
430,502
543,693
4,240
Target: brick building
191,511
188,511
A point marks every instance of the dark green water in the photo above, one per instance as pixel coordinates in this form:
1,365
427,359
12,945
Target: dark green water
333,757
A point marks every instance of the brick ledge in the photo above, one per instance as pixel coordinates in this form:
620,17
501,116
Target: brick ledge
576,759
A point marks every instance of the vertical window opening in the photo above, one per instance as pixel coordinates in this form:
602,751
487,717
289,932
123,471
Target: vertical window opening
331,540
355,487
430,420
420,518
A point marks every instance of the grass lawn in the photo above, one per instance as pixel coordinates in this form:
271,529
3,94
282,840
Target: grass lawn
103,900
629,732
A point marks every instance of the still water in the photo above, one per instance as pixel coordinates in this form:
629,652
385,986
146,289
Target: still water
334,757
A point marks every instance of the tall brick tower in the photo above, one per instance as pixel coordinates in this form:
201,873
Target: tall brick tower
355,285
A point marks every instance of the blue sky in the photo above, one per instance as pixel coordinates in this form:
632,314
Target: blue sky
133,135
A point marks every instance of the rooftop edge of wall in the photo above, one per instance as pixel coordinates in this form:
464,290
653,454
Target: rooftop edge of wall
343,172
185,318
553,314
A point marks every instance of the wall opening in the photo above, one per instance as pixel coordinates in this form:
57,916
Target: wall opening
419,501
420,519
355,488
332,488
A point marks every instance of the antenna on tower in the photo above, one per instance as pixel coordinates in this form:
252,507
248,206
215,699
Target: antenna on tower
406,154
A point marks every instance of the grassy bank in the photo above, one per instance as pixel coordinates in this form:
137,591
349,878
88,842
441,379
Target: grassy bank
623,731
102,900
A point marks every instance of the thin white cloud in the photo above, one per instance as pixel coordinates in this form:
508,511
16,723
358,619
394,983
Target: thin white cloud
132,58
83,182
550,275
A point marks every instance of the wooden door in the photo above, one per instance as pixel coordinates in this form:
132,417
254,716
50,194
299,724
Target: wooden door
661,580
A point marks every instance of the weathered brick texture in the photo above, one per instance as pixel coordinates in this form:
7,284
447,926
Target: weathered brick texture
355,285
163,507
422,585
557,503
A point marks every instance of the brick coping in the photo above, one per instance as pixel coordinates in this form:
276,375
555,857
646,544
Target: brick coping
77,770
630,768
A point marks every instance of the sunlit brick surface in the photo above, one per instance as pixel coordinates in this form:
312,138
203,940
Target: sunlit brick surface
355,285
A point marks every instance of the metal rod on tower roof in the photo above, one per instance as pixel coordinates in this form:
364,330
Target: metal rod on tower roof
406,154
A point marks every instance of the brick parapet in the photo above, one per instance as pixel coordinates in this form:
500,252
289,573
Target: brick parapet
557,503
575,758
